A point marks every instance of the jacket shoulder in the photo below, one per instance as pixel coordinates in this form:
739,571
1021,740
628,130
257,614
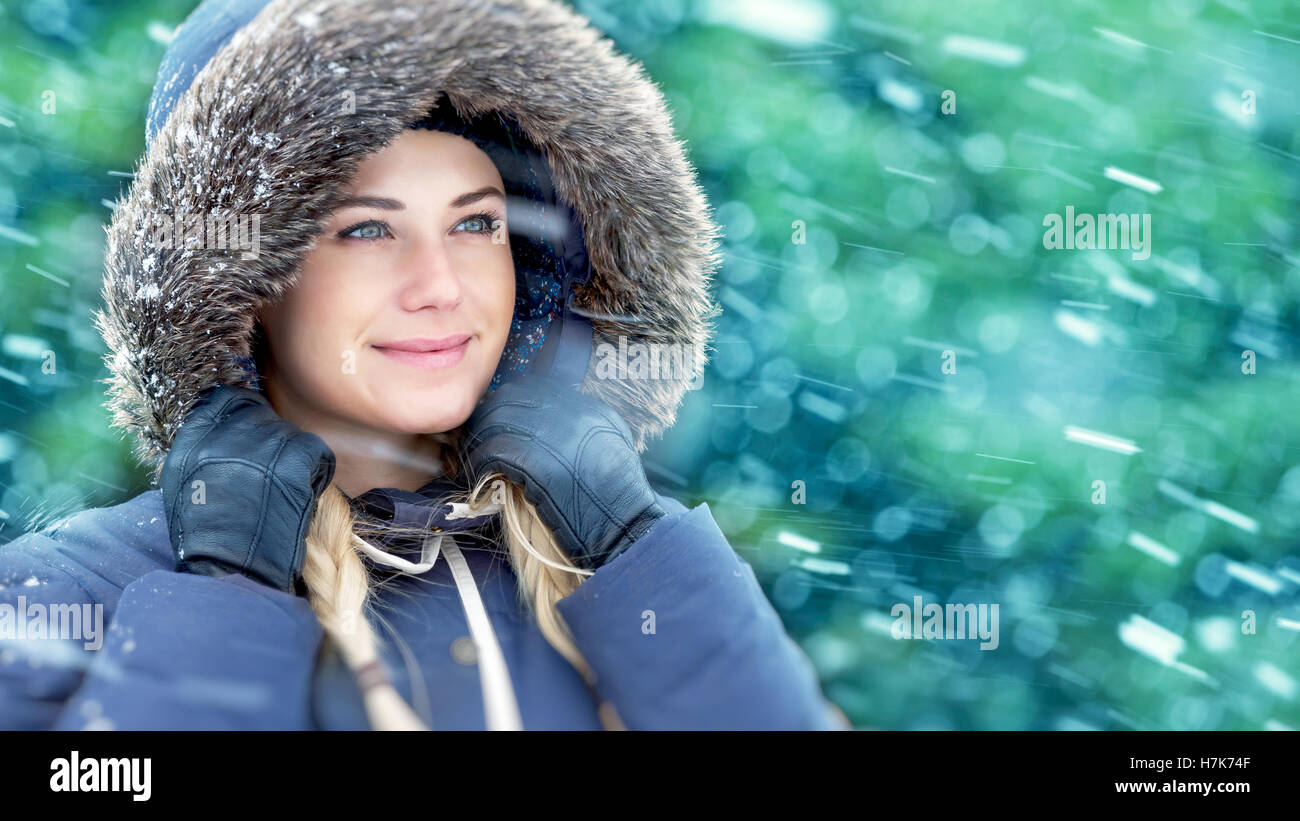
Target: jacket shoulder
102,549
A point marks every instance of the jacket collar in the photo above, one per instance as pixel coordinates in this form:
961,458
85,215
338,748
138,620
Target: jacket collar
420,508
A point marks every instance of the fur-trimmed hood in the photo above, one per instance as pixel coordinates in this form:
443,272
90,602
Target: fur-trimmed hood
298,92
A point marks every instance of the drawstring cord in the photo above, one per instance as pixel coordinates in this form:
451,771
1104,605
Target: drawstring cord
500,706
432,545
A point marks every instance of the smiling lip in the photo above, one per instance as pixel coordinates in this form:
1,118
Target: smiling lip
430,354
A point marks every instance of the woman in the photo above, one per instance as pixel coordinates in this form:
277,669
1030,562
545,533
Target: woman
395,490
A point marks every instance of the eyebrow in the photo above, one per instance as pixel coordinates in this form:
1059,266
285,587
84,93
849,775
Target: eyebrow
475,196
372,202
388,204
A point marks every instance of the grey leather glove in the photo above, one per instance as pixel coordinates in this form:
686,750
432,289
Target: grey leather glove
574,457
240,486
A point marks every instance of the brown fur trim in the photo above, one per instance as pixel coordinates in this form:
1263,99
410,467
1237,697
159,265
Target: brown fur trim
266,129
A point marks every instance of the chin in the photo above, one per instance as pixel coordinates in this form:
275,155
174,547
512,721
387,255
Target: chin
430,410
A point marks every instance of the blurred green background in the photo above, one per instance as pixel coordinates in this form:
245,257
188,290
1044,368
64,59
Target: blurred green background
922,233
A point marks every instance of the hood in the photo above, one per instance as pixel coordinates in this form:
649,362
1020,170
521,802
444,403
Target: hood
267,108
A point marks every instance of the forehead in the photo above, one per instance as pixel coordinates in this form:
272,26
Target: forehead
434,162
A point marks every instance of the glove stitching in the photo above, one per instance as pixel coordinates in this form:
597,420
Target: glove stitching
173,520
267,473
481,427
185,469
578,480
624,530
304,520
612,417
536,492
487,426
582,446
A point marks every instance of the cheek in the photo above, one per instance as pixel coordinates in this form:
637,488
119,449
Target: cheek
314,321
506,299
497,302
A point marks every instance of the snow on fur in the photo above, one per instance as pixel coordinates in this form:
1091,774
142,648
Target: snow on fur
266,129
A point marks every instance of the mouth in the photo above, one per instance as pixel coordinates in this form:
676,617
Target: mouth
429,354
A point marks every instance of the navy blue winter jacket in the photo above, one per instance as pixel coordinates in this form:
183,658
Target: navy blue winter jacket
184,651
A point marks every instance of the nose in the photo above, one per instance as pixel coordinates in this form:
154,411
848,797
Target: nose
429,279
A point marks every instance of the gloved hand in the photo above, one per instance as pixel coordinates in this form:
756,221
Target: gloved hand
574,457
261,478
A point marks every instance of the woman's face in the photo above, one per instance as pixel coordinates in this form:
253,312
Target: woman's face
401,313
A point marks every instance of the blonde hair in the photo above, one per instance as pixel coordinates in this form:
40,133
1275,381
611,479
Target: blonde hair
340,586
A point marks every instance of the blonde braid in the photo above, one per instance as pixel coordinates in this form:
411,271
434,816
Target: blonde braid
339,586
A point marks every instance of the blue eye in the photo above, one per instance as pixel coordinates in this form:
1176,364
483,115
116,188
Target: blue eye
369,230
484,223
